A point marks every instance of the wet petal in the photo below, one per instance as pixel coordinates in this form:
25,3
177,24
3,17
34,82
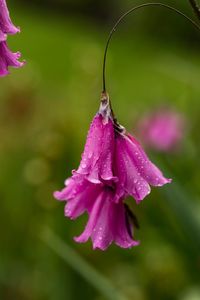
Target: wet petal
129,177
80,195
148,170
97,158
97,226
135,171
92,148
107,223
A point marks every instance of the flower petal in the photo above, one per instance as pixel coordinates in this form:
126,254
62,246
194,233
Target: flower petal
97,158
7,58
80,195
3,36
6,24
129,177
107,223
134,169
148,170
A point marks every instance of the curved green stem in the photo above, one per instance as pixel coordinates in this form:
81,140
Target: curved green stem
126,14
195,7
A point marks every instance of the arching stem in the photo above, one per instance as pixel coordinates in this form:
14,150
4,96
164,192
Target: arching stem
195,7
131,11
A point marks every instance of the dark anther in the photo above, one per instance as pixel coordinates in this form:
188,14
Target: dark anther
132,216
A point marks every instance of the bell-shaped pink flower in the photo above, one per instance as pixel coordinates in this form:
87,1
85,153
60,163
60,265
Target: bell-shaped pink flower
7,59
97,158
162,130
133,168
108,222
6,25
113,166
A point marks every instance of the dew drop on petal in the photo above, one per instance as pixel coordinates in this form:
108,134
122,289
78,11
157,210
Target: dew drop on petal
90,155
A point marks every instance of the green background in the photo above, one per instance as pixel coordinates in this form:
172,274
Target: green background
45,111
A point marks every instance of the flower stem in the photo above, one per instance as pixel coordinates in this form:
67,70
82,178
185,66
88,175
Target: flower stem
133,10
81,266
195,7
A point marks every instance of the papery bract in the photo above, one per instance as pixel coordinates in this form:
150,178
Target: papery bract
133,168
8,58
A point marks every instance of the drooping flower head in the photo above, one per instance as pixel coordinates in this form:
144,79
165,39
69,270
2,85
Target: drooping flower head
108,220
162,130
6,25
113,166
8,59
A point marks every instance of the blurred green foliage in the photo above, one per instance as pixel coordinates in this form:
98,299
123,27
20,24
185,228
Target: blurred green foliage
45,112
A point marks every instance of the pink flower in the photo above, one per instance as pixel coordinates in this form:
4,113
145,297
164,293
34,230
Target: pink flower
113,166
162,130
7,58
6,25
133,168
108,222
97,158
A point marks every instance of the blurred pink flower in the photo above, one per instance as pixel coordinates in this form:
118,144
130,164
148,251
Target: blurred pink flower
113,166
162,130
6,25
7,58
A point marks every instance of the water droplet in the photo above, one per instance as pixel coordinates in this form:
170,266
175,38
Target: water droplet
90,155
84,165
